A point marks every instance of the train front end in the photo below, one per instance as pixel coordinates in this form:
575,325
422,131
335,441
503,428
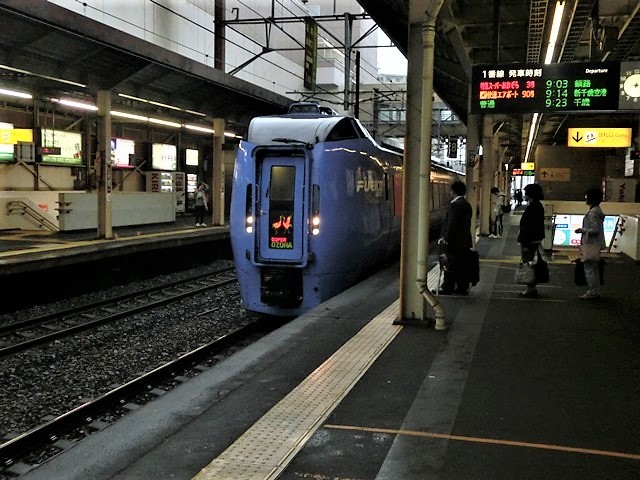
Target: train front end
271,217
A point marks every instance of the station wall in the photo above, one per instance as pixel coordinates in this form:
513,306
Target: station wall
571,171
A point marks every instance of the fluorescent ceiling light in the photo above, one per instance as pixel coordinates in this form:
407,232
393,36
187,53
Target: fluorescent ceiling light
164,122
26,72
74,104
551,48
199,129
555,29
165,105
13,93
115,113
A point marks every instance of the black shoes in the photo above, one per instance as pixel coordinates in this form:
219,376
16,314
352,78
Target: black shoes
529,294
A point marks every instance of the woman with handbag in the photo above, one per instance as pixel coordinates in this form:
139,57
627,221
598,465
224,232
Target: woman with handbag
591,242
531,231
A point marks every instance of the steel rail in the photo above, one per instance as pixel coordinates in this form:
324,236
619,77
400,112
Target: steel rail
128,311
55,316
50,431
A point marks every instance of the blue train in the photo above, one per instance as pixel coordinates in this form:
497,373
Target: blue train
315,203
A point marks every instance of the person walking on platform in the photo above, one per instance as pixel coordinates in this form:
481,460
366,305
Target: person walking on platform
591,242
531,231
201,204
495,217
518,197
455,239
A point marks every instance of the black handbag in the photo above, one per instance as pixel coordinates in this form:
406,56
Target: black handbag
541,269
578,273
579,277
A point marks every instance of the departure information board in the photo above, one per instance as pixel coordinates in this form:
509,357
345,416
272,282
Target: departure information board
557,87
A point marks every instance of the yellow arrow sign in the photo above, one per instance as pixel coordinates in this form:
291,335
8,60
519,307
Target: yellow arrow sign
599,137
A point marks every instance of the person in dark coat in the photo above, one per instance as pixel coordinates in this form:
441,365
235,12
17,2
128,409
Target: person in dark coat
531,231
455,239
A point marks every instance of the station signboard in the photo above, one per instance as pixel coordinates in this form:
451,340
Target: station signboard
599,137
557,87
555,174
528,166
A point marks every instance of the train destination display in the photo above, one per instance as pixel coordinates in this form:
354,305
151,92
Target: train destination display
558,87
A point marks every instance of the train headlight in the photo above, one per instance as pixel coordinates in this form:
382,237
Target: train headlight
249,224
315,225
315,210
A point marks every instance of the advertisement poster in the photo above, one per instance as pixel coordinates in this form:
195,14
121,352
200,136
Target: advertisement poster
9,137
163,157
69,143
122,151
566,226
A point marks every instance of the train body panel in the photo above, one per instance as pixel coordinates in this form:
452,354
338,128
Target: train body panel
315,203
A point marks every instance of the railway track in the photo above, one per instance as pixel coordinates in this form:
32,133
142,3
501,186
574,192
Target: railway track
20,336
47,439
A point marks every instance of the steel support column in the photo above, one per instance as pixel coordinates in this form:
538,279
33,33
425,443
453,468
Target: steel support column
217,180
103,165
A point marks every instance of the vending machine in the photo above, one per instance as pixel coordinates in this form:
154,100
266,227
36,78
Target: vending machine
179,188
169,182
192,186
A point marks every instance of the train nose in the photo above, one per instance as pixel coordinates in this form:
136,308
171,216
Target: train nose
281,287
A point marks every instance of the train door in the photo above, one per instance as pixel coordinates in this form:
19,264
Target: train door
281,221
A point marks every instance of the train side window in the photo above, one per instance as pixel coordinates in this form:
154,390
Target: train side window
344,130
386,186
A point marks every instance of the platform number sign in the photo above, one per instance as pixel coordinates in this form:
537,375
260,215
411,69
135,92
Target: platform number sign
452,150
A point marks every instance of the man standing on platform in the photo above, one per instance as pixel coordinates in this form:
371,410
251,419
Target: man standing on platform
455,240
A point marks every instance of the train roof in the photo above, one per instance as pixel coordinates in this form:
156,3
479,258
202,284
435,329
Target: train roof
303,128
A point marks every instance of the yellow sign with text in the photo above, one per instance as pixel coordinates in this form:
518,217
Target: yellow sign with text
528,166
599,137
15,135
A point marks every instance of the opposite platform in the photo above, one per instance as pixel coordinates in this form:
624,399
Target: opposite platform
28,251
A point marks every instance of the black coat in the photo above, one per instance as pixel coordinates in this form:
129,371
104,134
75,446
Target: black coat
456,230
532,224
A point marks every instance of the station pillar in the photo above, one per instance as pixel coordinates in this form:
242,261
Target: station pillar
487,170
103,165
417,162
472,176
217,180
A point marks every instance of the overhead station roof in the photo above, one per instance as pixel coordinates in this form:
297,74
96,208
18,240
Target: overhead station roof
41,43
468,32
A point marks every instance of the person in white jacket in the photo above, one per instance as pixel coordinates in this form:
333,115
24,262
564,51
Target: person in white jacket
495,217
591,242
201,204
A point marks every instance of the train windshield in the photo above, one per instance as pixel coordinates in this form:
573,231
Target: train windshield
346,129
282,183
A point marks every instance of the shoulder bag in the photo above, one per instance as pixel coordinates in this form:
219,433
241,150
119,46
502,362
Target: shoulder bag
525,275
541,268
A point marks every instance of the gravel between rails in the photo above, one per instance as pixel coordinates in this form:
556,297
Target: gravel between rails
52,379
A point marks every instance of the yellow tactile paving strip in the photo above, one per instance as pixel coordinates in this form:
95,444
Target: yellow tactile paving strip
264,450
